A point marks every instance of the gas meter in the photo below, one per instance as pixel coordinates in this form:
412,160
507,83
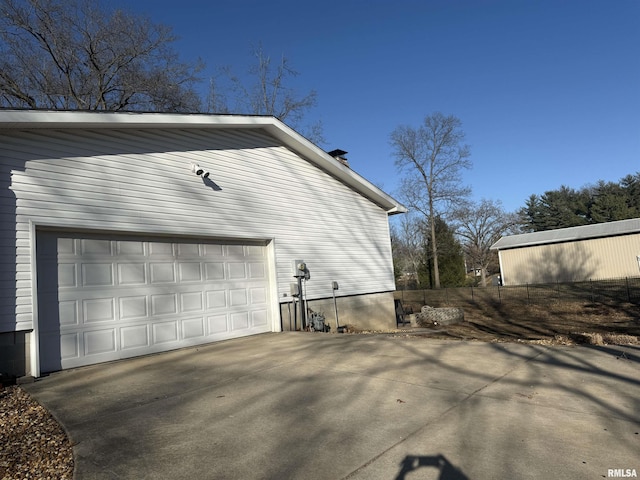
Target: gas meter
300,270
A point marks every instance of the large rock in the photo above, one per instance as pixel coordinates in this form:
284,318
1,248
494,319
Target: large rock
430,316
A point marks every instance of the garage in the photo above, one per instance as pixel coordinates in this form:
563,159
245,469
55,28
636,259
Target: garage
106,297
125,234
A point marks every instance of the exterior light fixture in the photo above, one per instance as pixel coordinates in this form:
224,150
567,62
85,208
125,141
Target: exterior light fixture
198,170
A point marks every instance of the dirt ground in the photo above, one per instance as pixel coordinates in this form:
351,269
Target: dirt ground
559,323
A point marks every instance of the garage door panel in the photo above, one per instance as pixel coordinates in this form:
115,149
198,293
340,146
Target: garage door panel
134,336
102,299
164,332
238,297
257,271
259,318
128,247
216,299
217,324
97,274
233,250
189,272
214,271
210,250
70,345
98,310
99,341
90,247
164,304
236,271
191,302
239,321
188,250
133,307
67,275
160,248
258,295
162,272
254,251
193,328
132,274
68,313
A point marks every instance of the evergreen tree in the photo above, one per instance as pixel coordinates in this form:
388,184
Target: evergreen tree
530,215
450,256
609,203
566,207
631,188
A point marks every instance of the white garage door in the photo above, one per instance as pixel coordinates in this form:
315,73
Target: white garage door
105,298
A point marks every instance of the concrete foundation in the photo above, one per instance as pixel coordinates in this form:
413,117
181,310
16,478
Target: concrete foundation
14,353
360,312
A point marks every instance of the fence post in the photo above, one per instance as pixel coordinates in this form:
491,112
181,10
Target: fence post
591,291
472,299
499,296
528,298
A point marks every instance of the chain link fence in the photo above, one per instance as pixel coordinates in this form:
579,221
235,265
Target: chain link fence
609,292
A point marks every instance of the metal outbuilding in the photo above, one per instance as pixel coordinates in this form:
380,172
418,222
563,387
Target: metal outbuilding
601,251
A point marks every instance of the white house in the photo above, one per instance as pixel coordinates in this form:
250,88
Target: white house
124,234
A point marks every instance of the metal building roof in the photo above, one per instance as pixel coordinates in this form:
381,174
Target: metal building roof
621,227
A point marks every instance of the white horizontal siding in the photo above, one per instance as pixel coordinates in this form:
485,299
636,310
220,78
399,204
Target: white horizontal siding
140,181
9,272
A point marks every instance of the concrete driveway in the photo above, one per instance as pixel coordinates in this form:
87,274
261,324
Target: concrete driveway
326,406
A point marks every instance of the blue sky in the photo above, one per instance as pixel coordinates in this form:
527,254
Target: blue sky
548,91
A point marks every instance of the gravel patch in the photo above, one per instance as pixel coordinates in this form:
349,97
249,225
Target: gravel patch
32,443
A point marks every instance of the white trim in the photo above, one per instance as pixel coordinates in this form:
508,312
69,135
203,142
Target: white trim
34,344
152,232
273,286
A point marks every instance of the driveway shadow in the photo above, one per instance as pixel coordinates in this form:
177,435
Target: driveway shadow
448,471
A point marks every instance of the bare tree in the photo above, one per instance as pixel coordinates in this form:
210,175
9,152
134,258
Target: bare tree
432,157
408,245
71,54
265,90
480,225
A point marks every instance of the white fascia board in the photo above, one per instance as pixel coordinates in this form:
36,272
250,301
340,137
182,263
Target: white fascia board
82,119
31,119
